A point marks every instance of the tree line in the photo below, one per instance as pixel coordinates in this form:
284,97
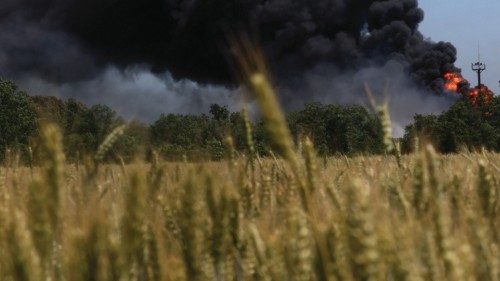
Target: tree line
464,126
347,130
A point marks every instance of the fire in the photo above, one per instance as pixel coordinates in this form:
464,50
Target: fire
454,82
480,94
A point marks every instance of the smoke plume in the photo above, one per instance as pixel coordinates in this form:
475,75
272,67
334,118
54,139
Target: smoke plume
74,43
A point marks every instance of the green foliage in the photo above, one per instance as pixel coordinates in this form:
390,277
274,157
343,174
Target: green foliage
463,125
219,113
425,127
337,129
193,135
237,124
216,149
84,129
133,143
17,117
49,109
97,123
181,130
334,129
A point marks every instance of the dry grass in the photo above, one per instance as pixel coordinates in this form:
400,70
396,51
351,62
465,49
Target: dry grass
294,217
366,219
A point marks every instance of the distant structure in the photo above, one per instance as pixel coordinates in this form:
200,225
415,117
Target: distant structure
481,94
456,83
478,67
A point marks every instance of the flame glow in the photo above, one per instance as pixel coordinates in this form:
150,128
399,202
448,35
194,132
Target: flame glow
481,95
455,83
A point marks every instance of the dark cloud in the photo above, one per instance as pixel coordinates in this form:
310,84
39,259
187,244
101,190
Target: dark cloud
30,49
74,39
69,47
139,94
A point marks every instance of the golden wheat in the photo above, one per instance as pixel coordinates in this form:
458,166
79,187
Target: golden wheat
423,217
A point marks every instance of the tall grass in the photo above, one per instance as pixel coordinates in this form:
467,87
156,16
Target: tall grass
198,222
416,217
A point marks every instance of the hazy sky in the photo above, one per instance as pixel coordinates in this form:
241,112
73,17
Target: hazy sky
465,23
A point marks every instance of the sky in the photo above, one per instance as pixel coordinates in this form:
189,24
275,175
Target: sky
467,23
49,58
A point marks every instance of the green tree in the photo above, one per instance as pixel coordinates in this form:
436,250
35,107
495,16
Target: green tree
337,129
182,130
133,143
49,110
425,128
238,131
17,117
74,115
216,149
219,113
97,122
463,125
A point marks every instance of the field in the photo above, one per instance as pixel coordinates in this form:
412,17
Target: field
363,218
290,216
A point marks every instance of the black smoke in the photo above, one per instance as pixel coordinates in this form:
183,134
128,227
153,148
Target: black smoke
72,45
71,40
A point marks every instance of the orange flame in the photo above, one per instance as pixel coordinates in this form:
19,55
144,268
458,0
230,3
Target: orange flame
453,81
477,95
480,95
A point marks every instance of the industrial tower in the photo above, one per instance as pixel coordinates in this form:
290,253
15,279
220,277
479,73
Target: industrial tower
478,67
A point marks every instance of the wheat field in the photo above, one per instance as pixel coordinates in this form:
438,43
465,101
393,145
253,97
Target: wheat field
364,218
291,216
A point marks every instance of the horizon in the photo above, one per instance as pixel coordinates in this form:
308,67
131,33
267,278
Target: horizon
135,92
